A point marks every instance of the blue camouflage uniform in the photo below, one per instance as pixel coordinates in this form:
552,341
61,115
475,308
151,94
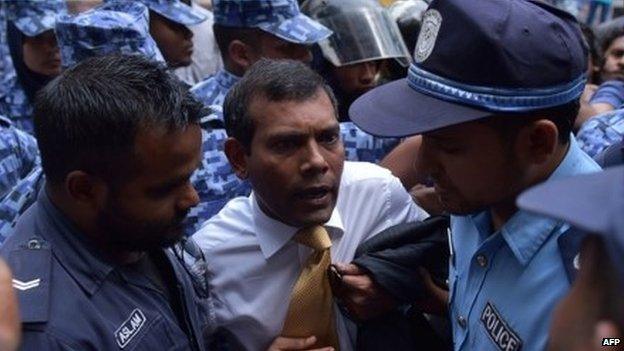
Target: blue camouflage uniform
7,71
173,10
18,156
120,27
600,132
71,299
31,18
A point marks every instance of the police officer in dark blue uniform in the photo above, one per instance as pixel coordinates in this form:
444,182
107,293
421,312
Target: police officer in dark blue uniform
97,260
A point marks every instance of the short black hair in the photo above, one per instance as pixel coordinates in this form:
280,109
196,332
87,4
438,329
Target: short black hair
275,80
563,116
88,117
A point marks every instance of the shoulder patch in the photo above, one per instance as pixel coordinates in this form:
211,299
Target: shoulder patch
31,266
505,338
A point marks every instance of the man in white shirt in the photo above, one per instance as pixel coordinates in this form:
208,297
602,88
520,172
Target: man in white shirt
285,138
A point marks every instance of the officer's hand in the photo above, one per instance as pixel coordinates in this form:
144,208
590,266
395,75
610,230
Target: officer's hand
436,301
9,318
285,344
359,294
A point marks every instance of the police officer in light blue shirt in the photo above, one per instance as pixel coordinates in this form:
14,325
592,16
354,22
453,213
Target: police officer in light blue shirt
494,90
98,260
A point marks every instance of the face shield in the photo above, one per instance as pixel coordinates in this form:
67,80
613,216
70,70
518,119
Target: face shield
361,33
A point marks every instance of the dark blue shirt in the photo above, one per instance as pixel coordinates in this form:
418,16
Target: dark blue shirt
71,299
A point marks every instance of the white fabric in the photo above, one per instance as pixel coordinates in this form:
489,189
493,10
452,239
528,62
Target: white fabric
253,264
206,58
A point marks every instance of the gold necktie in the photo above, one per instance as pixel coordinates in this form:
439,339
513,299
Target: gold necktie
311,305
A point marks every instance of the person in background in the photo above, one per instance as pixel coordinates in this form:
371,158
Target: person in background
247,30
169,23
97,261
206,58
489,131
34,53
9,317
593,311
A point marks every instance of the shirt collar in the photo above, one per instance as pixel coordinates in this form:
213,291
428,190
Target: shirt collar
273,235
226,79
525,232
71,247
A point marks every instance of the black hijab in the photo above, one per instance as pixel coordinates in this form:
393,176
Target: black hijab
31,81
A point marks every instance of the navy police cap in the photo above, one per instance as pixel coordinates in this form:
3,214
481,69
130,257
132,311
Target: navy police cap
594,203
478,58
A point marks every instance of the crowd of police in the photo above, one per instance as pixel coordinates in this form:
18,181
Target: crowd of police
311,175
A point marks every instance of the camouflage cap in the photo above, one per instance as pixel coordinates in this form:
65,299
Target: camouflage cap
112,28
281,18
176,11
33,17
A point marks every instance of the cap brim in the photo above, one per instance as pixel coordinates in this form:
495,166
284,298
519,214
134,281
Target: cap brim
47,23
181,14
583,201
396,110
300,29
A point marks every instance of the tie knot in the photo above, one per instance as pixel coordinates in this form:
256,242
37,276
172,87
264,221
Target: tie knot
315,237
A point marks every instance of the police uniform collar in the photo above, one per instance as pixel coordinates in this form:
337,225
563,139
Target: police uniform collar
525,232
70,247
273,235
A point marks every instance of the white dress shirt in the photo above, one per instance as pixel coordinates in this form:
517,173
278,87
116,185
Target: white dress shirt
253,263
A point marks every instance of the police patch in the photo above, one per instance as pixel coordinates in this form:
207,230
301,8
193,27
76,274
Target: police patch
432,20
501,334
130,328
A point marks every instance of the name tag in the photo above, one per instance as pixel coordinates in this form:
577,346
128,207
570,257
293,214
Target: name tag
130,328
501,334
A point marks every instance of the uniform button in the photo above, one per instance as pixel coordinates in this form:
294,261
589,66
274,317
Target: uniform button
482,260
462,321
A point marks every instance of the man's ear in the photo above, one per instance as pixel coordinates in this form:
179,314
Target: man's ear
241,54
537,141
85,190
237,155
